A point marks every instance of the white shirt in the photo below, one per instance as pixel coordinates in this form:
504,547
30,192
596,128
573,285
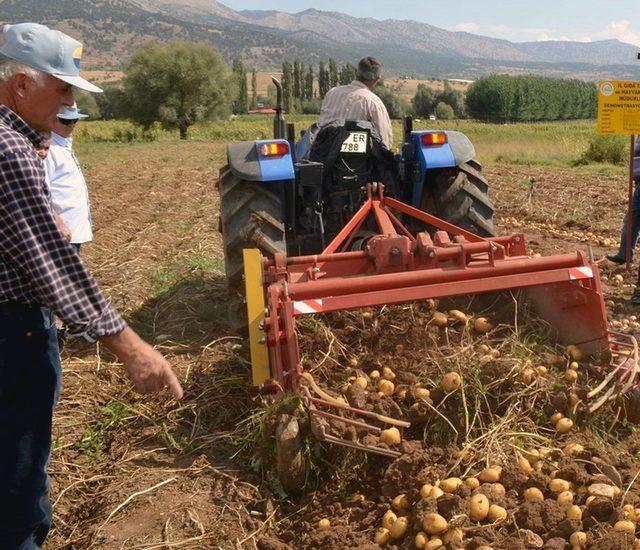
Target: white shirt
69,195
357,102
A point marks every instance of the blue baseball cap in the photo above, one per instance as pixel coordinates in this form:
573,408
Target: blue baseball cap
71,113
47,50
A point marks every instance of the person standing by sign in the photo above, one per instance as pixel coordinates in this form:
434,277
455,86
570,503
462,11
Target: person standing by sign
619,257
69,195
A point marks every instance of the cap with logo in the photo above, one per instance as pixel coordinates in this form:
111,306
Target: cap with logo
48,50
71,113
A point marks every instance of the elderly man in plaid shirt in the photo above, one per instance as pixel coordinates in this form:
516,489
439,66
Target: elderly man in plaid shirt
40,274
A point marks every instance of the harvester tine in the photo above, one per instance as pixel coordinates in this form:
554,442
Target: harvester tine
346,420
627,362
627,357
319,430
361,447
606,380
329,401
608,395
369,414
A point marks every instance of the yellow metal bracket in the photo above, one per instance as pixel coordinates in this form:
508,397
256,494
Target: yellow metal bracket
255,314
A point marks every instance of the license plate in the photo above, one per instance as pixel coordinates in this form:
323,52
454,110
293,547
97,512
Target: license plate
356,142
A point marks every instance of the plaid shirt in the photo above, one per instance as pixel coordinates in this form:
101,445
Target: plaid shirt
37,264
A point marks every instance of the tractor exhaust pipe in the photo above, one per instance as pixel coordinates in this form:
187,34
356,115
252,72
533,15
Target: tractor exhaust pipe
279,125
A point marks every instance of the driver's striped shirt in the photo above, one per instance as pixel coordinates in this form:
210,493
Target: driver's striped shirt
356,102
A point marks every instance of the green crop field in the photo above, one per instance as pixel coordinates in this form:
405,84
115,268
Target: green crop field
542,144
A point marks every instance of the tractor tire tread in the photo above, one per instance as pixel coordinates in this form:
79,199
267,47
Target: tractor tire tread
461,197
250,217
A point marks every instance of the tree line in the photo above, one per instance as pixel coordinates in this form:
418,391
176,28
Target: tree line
531,99
181,83
301,95
304,88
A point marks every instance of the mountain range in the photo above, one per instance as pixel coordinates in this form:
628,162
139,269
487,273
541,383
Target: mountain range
111,29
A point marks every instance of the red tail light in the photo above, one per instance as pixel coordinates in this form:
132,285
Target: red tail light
278,149
434,138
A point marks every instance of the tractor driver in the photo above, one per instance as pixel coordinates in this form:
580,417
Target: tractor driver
356,101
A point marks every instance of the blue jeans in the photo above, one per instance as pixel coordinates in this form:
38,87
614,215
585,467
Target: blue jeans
635,225
30,381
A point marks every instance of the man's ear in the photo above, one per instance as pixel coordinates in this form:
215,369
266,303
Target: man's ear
20,85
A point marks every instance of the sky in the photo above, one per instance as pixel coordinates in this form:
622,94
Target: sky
515,20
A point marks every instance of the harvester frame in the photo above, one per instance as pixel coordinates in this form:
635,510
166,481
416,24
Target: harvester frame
397,267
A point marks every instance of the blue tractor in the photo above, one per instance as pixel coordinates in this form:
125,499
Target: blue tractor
285,197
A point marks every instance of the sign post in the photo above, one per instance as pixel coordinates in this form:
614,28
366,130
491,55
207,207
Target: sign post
619,114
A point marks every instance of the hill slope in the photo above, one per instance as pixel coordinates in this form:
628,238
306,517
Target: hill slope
111,29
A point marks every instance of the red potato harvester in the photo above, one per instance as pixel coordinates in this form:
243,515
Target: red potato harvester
397,267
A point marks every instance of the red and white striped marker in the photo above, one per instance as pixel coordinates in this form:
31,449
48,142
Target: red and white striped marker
580,273
307,307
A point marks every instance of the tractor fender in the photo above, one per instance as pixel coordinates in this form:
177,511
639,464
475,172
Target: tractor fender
461,147
456,151
247,164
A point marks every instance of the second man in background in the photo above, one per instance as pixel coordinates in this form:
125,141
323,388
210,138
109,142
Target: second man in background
69,194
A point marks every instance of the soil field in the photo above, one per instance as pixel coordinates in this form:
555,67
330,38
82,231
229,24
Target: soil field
148,472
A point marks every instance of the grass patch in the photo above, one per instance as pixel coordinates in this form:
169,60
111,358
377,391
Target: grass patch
211,311
173,439
93,441
605,149
184,266
185,227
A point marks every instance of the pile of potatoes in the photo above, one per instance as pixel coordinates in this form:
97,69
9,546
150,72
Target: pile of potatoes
550,229
382,382
626,324
456,317
436,531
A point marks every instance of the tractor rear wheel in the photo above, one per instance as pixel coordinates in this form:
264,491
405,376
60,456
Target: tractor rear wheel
250,217
461,198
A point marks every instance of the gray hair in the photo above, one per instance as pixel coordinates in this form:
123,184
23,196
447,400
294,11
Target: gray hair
10,67
369,69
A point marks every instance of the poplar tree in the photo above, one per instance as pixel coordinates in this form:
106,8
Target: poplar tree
308,84
254,88
239,105
323,80
287,85
334,79
348,74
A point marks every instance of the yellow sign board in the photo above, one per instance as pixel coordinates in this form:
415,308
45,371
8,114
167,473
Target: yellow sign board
619,107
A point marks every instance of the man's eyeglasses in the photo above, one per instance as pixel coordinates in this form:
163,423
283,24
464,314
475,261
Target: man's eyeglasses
68,122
